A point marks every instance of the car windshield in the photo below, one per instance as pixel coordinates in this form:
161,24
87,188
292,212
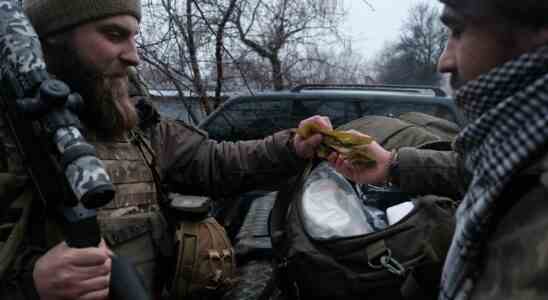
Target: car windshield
253,118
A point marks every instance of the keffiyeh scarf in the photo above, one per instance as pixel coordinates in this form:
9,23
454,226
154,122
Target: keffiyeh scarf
508,110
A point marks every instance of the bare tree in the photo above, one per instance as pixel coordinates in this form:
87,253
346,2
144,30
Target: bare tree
195,45
267,27
412,59
330,66
220,47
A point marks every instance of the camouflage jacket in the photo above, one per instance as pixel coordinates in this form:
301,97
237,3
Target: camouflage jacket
187,162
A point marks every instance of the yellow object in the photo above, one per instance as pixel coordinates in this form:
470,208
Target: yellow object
351,145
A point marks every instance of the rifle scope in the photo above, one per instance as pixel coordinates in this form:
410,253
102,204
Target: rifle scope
23,72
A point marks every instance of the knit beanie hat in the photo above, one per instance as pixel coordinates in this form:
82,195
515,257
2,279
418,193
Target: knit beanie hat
53,16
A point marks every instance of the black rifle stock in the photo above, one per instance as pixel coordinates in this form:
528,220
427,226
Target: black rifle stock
47,134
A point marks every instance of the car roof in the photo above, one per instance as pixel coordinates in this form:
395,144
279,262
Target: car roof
348,95
388,88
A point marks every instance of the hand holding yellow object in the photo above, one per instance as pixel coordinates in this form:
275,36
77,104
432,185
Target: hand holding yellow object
351,145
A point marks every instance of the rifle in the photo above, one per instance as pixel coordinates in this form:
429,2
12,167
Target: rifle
46,130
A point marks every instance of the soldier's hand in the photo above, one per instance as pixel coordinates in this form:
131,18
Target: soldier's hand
306,148
375,174
70,273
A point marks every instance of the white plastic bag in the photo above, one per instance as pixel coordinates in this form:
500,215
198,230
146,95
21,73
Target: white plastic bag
330,206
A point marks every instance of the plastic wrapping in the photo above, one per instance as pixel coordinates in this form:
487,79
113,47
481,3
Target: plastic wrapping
397,212
330,206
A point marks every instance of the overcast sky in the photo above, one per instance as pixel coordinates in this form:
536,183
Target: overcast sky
371,28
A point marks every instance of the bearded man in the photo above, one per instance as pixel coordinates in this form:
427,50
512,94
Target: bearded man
90,44
497,56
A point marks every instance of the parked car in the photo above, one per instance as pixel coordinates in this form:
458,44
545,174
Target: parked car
256,116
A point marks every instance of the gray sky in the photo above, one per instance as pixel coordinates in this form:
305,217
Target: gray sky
370,28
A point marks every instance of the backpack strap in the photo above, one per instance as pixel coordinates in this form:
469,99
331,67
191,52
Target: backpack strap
9,247
278,237
189,279
187,237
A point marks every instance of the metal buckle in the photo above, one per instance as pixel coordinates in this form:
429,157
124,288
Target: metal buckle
389,263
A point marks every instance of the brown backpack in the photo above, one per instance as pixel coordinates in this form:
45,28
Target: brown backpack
205,258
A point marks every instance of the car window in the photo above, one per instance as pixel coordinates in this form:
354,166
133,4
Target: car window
340,111
249,120
254,118
395,108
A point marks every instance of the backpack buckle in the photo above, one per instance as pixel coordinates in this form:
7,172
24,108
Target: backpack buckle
392,265
387,262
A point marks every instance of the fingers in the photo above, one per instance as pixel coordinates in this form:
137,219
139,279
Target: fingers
88,257
103,245
96,284
96,295
320,120
70,273
82,257
306,148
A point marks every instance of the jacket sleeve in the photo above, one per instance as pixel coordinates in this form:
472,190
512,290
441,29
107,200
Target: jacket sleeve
431,172
192,163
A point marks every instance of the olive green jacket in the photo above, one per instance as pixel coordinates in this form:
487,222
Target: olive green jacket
188,162
424,171
514,262
419,137
191,163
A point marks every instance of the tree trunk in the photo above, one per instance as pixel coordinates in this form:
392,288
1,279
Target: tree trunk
197,77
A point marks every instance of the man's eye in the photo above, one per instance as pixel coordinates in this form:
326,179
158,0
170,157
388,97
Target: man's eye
114,35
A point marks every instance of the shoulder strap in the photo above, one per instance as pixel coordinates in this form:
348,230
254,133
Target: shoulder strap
137,137
187,236
278,236
276,224
9,247
148,114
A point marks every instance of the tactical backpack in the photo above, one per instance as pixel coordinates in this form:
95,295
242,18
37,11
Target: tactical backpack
205,266
400,261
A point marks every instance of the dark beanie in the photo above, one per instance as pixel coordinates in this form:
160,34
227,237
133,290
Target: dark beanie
53,16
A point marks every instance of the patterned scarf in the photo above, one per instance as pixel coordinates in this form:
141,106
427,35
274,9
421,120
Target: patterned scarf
508,109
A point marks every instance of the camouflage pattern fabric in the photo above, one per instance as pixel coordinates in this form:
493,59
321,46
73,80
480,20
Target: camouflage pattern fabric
19,44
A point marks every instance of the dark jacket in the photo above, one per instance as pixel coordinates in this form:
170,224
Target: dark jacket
188,162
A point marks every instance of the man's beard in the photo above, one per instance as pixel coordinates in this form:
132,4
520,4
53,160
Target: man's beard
108,108
455,81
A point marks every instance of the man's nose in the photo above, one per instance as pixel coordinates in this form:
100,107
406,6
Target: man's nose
129,54
447,61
